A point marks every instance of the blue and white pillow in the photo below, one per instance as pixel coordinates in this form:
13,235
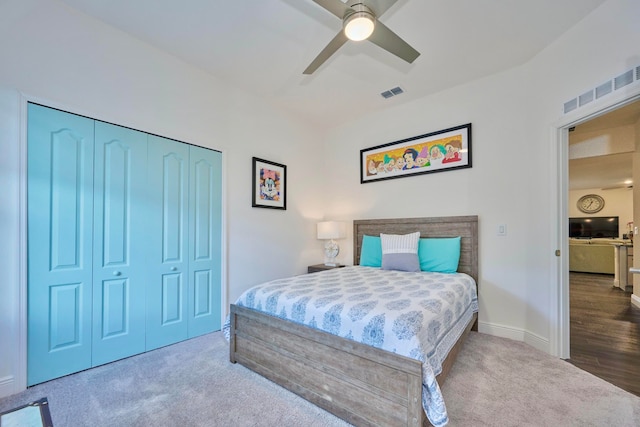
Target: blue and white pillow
400,252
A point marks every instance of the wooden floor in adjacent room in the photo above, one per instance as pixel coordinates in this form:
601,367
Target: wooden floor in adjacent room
605,330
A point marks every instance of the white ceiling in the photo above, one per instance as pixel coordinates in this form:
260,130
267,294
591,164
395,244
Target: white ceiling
263,46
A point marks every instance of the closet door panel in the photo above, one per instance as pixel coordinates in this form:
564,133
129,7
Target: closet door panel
167,250
205,218
119,243
60,150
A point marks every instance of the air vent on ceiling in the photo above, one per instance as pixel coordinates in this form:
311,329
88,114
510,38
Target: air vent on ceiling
392,92
606,88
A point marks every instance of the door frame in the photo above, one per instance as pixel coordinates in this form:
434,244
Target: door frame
25,99
559,320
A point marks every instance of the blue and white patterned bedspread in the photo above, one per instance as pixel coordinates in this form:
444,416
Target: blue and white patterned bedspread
418,315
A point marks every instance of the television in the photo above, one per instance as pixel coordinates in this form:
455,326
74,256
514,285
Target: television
594,227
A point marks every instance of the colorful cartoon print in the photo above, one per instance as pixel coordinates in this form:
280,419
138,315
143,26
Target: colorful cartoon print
422,155
269,184
453,151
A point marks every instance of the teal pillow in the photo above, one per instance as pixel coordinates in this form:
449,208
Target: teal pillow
440,255
371,251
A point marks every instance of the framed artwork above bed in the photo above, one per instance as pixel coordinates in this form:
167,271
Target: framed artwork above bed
438,151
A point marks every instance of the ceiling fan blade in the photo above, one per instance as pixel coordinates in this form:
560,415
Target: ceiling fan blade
377,6
616,187
334,6
329,50
390,41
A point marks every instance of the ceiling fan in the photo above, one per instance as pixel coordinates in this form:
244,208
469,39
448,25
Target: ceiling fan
628,186
360,22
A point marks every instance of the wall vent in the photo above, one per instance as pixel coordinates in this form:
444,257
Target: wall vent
392,92
585,98
606,88
570,105
623,79
603,89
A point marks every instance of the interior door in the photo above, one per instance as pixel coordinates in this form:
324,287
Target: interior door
168,250
60,149
205,241
119,243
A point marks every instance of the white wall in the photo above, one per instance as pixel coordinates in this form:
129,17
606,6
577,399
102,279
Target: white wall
496,188
62,58
513,180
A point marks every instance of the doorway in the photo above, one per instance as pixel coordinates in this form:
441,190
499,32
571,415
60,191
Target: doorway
603,323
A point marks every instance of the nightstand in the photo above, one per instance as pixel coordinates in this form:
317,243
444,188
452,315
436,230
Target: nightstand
322,267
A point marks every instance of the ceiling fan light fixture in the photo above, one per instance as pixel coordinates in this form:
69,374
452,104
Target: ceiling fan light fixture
360,24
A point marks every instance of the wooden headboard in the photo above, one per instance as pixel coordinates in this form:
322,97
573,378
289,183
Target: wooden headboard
452,226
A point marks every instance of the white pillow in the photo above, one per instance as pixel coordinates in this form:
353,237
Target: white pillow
400,252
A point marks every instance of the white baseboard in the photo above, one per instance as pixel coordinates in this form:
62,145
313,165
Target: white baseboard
501,331
635,300
535,341
7,386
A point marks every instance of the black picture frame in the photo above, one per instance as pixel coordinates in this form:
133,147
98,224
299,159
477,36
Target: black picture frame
440,151
269,184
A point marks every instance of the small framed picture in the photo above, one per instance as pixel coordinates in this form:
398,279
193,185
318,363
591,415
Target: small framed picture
269,184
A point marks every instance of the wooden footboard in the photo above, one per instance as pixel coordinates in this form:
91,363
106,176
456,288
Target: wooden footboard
363,385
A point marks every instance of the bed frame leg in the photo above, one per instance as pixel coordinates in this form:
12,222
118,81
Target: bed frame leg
232,338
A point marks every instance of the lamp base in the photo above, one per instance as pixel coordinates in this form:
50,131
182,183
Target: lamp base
331,251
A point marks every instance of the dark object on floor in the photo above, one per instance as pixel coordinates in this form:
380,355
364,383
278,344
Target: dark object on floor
27,415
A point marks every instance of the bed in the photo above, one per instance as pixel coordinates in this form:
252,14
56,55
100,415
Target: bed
360,383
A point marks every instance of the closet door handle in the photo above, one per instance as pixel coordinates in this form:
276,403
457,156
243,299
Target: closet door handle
174,268
117,273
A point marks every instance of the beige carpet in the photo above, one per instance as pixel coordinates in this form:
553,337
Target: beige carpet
495,382
500,382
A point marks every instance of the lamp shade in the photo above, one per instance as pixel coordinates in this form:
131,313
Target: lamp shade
331,230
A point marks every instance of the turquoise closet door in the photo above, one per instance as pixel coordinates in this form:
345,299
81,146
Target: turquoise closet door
167,243
119,273
60,217
124,242
205,244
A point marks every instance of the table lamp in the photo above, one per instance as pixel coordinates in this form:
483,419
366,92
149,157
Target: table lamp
330,230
